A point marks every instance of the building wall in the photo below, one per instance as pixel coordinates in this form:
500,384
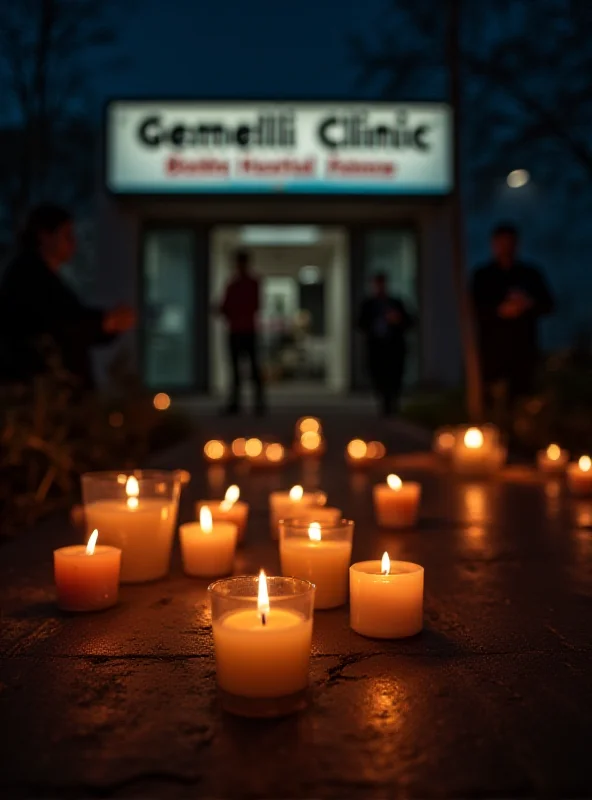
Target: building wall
120,228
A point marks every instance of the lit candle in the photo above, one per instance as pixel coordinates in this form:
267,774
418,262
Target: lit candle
444,440
262,640
579,477
216,451
231,509
321,554
87,577
138,516
396,504
386,598
553,459
287,505
474,453
265,455
207,547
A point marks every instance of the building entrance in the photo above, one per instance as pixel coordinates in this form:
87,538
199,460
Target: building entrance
304,319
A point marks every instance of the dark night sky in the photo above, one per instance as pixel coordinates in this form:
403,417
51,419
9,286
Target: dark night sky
233,48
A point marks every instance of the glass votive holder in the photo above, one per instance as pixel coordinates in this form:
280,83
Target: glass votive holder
237,513
290,504
137,513
319,552
262,660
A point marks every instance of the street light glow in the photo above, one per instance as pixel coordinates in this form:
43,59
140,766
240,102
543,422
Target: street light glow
518,178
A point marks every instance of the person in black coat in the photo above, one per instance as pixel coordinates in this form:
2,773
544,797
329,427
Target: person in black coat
509,297
37,307
384,320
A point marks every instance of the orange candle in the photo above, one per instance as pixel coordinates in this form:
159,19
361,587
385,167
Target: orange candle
87,577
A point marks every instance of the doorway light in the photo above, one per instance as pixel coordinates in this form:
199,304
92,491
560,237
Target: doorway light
279,234
518,178
309,275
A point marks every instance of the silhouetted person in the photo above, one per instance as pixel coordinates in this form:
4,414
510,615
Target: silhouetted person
37,306
509,297
385,320
240,307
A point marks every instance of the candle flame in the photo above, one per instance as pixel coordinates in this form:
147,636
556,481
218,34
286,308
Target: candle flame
253,447
553,452
90,547
376,450
357,448
262,597
446,440
585,463
296,494
230,498
473,439
309,425
394,482
274,452
205,519
132,490
310,440
214,450
238,447
314,532
385,564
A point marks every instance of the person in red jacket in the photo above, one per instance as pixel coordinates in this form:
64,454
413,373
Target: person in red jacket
240,307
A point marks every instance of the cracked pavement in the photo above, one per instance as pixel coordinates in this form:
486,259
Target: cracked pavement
493,699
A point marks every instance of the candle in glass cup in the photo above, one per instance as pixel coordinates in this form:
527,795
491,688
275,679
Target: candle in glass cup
231,509
396,503
262,638
319,553
386,598
207,547
553,459
579,477
137,514
287,505
87,576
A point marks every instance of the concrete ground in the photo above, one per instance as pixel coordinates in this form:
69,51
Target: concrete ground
492,699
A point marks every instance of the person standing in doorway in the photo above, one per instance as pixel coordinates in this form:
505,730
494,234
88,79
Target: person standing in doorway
240,307
509,297
384,320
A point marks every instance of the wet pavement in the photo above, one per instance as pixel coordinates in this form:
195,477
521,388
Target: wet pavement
493,699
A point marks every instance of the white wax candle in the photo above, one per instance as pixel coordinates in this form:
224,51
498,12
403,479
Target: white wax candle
207,547
386,606
143,531
316,557
262,661
287,505
553,459
396,503
87,580
579,477
231,509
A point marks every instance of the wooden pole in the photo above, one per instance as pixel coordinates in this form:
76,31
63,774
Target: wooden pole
473,391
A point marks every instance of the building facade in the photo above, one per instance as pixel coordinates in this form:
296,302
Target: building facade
321,195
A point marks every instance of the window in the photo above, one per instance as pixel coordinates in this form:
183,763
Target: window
169,334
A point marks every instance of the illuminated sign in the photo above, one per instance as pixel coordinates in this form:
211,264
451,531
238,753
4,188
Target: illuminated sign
305,148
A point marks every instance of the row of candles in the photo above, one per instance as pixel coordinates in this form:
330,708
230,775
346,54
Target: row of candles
262,638
480,451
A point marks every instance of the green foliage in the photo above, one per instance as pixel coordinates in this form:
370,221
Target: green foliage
50,433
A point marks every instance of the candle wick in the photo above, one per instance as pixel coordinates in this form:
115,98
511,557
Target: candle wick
263,620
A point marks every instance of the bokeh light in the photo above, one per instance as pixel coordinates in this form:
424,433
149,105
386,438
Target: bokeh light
238,447
309,425
375,450
274,452
214,449
116,419
473,438
310,440
161,401
518,178
357,449
253,448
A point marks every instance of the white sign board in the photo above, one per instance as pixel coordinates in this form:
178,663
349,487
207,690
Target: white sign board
278,147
